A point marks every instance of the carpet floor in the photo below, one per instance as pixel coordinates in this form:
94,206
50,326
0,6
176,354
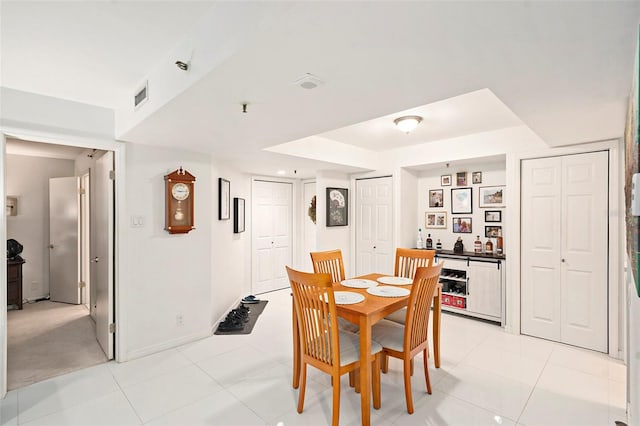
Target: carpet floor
47,339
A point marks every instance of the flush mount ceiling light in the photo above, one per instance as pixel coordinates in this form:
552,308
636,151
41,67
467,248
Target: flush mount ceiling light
407,123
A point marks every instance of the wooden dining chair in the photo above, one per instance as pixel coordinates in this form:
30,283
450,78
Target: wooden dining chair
405,342
329,262
407,262
323,345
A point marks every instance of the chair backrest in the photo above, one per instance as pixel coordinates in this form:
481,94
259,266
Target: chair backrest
328,262
315,307
408,260
420,300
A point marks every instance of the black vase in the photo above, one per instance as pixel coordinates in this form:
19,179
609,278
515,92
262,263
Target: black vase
458,247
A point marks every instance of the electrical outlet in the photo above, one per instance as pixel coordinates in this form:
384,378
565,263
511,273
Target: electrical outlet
179,320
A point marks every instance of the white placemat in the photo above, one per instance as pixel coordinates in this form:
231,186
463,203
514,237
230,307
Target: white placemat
395,280
387,291
358,283
347,297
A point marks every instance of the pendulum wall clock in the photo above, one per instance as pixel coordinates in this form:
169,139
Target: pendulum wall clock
179,201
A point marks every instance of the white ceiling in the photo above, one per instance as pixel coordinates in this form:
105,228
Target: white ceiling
562,68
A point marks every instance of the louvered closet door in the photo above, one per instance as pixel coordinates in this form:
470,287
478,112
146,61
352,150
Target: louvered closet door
564,249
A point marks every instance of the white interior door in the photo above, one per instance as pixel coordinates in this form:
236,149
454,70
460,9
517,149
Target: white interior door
541,247
585,180
272,234
565,249
374,226
102,261
64,240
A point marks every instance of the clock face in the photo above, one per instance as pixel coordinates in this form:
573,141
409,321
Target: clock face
180,191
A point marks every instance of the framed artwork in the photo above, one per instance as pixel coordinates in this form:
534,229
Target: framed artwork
493,216
435,220
476,177
492,196
461,200
224,200
436,198
462,225
461,179
337,207
238,215
492,231
445,180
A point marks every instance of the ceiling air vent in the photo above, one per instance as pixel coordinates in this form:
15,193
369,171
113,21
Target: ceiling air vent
141,95
308,81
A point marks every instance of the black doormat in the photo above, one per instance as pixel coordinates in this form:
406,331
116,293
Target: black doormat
255,309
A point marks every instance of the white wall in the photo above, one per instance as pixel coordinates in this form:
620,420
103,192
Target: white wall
230,253
54,116
405,206
633,361
334,237
28,179
167,275
493,174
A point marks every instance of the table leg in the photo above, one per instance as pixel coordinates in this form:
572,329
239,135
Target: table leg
365,369
296,347
437,312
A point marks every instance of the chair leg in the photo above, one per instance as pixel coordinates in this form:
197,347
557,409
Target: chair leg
352,379
303,386
385,363
426,372
407,386
375,373
296,348
356,377
336,401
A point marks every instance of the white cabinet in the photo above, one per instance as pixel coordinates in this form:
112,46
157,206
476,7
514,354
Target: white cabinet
473,285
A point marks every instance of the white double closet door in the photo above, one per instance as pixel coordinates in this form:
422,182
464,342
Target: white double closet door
374,226
564,239
272,229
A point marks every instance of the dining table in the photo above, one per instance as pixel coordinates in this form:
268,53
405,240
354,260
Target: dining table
365,314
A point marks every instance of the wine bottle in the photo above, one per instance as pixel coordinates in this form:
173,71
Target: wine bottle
419,240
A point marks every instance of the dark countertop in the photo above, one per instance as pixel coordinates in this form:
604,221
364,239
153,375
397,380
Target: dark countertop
471,254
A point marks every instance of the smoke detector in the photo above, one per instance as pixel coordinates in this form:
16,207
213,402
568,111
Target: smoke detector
308,81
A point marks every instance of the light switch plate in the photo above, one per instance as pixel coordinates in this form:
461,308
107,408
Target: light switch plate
635,194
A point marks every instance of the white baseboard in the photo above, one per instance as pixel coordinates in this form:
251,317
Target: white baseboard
179,341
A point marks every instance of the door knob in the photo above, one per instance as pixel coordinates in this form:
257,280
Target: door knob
50,246
95,259
562,260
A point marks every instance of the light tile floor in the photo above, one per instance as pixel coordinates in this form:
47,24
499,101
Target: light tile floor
488,377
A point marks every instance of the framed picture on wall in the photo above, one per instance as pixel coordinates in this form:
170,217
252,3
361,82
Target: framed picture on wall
461,178
462,225
238,215
492,231
224,200
492,196
445,180
436,198
461,201
337,207
476,177
493,216
437,220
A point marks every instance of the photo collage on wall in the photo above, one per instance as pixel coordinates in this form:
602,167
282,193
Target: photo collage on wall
465,187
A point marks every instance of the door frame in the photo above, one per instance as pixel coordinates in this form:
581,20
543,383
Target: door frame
120,258
616,337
